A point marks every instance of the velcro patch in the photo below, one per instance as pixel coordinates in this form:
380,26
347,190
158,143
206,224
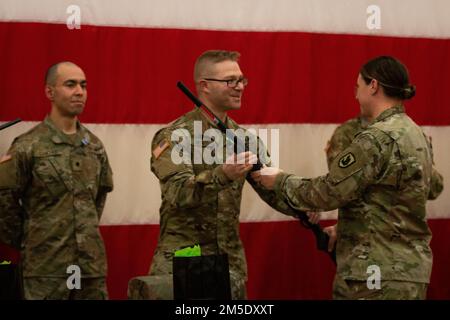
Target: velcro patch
346,160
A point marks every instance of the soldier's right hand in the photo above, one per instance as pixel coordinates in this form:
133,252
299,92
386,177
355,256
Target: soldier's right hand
237,166
331,231
313,217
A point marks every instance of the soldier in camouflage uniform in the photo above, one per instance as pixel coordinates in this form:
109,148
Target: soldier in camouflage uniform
53,185
343,136
381,184
345,133
201,202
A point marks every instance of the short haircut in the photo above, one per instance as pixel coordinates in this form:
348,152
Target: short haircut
210,57
52,72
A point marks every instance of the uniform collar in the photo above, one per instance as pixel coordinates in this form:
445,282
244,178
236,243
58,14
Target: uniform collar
228,121
58,137
390,112
363,122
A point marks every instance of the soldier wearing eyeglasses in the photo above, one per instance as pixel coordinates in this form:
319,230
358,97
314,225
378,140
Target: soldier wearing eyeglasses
201,202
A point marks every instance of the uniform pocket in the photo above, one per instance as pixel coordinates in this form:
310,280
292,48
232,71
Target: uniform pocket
47,170
88,170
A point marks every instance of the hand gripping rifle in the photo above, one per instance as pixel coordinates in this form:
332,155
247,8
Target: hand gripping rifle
321,237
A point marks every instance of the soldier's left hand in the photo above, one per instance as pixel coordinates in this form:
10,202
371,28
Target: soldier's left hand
266,176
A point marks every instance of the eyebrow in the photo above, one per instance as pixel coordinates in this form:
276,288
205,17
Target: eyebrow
75,81
235,77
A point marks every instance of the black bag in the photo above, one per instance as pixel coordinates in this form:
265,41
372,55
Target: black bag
10,282
202,277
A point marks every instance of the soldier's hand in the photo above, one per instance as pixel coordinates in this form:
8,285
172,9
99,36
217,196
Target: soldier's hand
331,232
314,217
266,176
237,166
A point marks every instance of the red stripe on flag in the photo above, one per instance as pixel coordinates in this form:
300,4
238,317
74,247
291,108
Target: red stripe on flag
283,262
132,72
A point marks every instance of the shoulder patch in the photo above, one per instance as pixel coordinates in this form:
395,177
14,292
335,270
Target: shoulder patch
160,148
346,160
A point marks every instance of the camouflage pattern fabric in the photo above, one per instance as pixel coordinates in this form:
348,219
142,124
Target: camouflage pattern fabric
388,169
52,192
200,205
389,290
343,136
56,289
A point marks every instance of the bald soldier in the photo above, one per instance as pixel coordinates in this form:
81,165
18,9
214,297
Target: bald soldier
200,201
53,185
381,182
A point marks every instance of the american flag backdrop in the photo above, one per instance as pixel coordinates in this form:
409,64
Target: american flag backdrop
302,59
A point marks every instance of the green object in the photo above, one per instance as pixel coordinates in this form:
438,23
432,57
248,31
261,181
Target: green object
5,262
193,251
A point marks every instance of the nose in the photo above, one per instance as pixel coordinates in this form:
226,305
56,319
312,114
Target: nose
79,90
240,86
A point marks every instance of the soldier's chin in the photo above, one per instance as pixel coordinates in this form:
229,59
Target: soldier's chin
76,112
235,106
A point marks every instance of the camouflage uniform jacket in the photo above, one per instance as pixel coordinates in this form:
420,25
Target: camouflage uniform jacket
345,133
200,205
389,168
343,136
52,194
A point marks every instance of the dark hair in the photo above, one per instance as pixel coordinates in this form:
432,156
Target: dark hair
391,74
52,72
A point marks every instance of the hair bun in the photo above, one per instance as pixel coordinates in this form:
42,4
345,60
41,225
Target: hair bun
409,91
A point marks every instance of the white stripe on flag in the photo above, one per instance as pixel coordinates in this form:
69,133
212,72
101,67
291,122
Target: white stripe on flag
405,18
136,197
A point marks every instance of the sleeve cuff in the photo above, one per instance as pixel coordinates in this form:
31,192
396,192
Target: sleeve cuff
221,176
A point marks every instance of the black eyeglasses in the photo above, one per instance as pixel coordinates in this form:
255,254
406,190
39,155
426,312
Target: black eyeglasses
232,83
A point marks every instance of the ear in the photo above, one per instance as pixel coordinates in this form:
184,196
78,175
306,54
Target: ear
374,86
203,86
49,93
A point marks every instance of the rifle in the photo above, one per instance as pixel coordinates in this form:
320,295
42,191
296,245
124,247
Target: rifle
237,142
9,124
321,237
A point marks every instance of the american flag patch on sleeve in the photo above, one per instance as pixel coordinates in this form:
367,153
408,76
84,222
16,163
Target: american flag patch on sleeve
162,146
